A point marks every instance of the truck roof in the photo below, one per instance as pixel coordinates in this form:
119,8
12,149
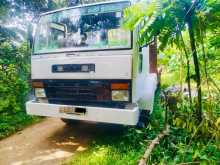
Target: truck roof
84,5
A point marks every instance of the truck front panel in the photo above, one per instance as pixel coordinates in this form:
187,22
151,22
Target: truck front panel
100,93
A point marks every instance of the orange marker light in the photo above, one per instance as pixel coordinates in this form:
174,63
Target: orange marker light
119,86
37,84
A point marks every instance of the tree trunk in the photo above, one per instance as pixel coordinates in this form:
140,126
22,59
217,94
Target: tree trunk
204,58
188,70
188,65
197,68
188,80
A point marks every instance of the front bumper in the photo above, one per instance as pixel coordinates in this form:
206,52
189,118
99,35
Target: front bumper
97,114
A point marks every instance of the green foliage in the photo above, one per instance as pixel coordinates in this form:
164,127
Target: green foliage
14,73
177,148
188,141
121,145
166,19
190,26
11,123
127,145
15,16
209,128
15,62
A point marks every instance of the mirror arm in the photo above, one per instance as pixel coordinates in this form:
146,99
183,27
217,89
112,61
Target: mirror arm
141,47
30,37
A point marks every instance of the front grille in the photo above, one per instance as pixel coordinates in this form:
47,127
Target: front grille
80,92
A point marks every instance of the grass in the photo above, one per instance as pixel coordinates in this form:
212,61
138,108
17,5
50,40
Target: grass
119,146
11,123
127,145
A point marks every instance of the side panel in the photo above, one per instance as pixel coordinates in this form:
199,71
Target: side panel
144,83
145,60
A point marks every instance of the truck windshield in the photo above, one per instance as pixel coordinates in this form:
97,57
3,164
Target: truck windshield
85,28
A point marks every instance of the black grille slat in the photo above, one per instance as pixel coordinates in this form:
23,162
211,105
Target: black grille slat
67,94
81,92
74,91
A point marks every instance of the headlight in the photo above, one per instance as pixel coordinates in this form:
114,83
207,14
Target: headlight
120,95
40,93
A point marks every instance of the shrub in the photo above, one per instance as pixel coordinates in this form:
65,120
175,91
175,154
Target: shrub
14,71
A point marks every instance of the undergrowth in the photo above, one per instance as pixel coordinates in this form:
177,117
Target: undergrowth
127,145
14,88
11,123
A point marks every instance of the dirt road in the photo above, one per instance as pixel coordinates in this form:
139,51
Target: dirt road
46,143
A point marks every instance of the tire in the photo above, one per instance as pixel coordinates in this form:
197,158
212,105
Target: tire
70,121
144,119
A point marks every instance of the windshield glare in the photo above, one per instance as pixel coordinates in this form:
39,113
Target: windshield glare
93,27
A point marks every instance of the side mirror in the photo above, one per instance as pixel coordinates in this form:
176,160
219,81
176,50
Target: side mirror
30,35
141,47
73,3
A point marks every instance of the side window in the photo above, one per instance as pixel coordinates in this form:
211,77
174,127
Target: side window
140,58
41,39
140,62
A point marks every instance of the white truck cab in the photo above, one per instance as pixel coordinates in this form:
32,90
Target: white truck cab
85,66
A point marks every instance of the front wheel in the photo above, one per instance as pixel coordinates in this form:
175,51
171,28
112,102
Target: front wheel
70,121
144,119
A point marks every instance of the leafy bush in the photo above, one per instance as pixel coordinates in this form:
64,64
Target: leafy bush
14,71
119,145
127,145
13,77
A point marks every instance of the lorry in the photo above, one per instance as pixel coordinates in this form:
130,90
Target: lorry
86,66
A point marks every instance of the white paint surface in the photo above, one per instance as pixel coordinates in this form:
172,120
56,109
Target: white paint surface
98,114
144,92
111,66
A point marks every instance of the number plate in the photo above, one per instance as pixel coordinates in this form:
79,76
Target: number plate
68,110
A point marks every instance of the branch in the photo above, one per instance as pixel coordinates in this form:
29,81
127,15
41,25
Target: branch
187,163
152,145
